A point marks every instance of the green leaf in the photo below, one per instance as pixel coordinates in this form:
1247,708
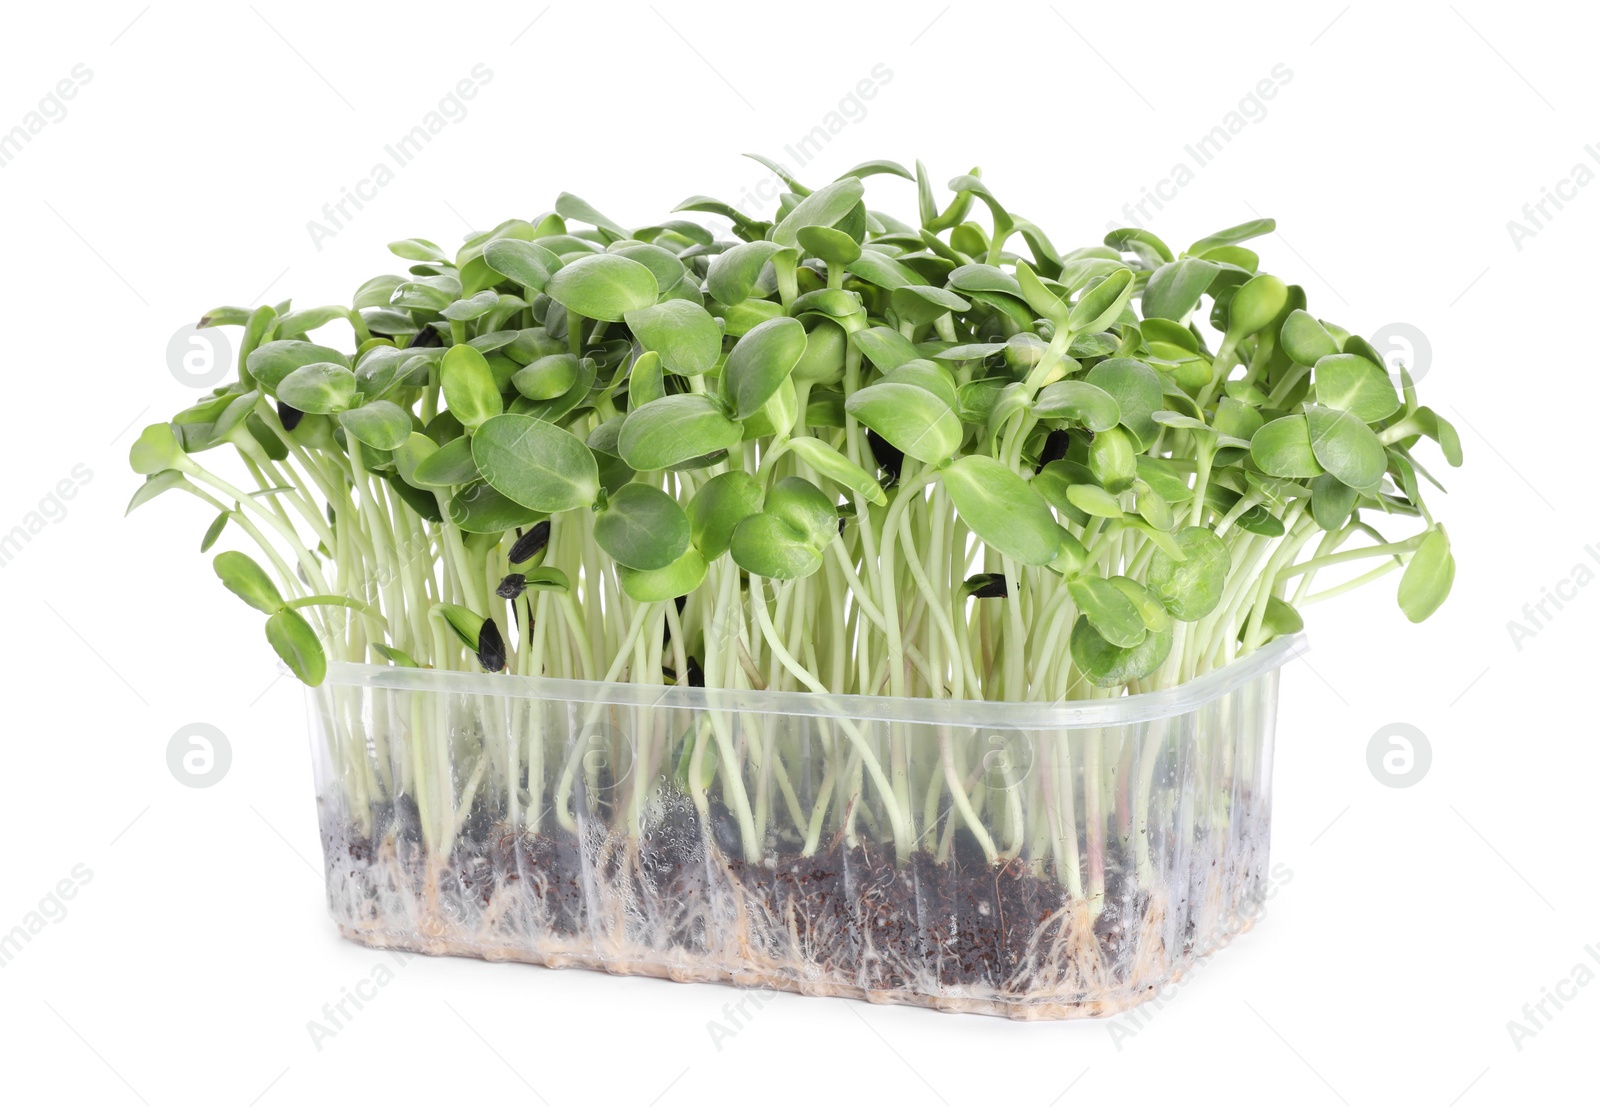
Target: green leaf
963,352
527,264
469,386
545,578
470,309
1003,509
248,580
424,503
1094,501
318,388
451,465
375,293
547,377
1151,611
431,293
1147,245
682,333
878,166
980,277
1109,609
659,585
882,271
1173,420
157,450
975,186
1283,448
1102,303
394,656
1236,419
233,415
823,361
1040,298
1331,502
833,247
780,413
1351,382
1249,230
743,226
675,429
1345,447
466,624
1109,665
927,208
296,643
1426,581
721,503
224,315
1071,557
760,362
824,208
741,318
844,307
929,376
604,287
1136,389
1164,479
645,382
420,250
1111,460
1281,618
1192,587
733,275
786,540
766,545
271,363
916,421
1304,339
535,463
829,462
1255,305
303,321
1443,432
1257,520
1079,403
642,527
886,348
1175,288
382,425
919,305
478,508
158,483
416,448
572,207
803,506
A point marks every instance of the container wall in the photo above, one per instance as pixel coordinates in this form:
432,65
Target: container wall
1027,871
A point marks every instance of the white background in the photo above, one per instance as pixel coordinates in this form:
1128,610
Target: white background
1418,921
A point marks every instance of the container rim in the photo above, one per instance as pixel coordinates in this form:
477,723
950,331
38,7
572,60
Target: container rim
997,714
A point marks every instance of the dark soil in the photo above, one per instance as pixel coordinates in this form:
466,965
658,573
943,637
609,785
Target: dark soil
855,912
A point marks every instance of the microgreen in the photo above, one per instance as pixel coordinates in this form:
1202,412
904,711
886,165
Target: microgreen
835,453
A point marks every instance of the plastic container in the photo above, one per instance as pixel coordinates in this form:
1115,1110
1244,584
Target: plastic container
805,843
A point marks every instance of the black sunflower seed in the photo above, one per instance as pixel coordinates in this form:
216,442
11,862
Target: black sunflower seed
526,547
512,586
1055,447
491,647
986,585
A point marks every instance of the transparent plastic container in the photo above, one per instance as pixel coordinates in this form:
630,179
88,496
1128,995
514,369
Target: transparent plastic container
1022,860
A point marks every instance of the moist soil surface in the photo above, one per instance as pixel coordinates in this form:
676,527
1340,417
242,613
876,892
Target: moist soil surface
852,910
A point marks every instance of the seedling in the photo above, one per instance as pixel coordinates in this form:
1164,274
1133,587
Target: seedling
840,454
